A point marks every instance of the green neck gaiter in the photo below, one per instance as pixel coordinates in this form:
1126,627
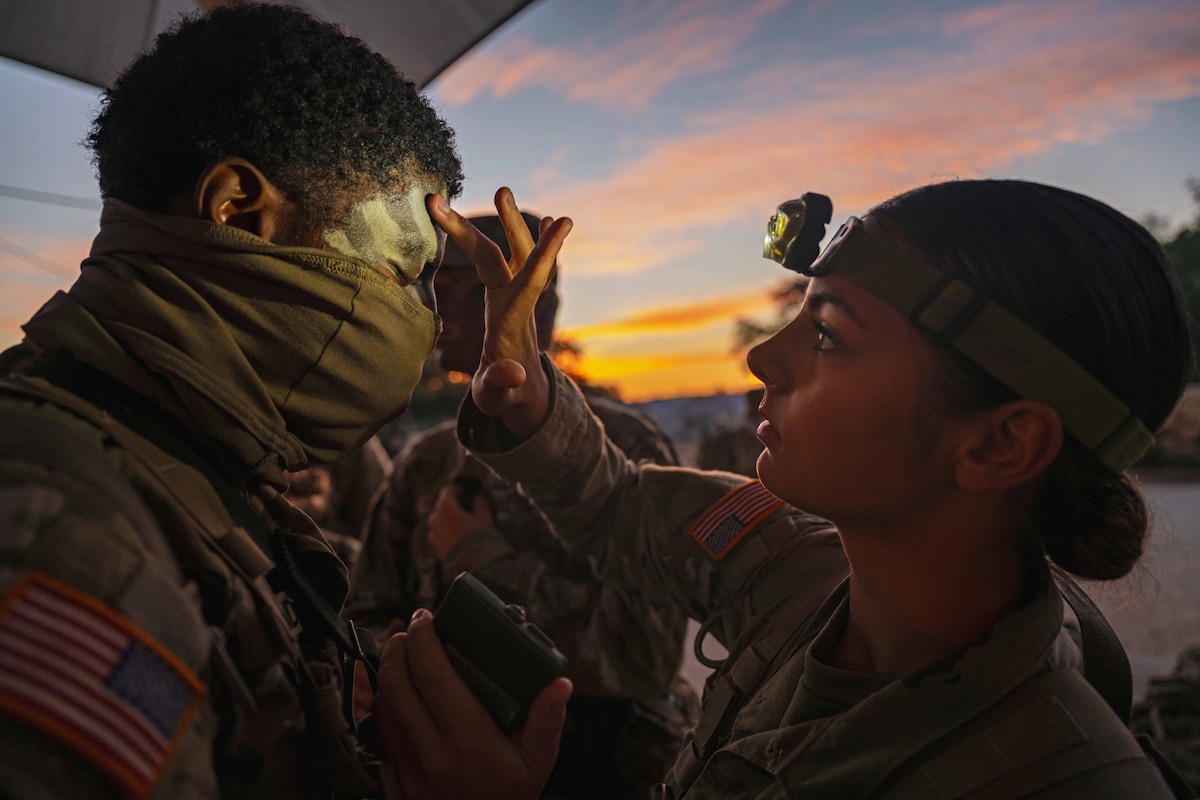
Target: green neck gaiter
286,355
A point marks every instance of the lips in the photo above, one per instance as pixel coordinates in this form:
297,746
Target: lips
767,433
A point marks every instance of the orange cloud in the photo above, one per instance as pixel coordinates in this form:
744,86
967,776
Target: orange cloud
19,302
651,377
675,319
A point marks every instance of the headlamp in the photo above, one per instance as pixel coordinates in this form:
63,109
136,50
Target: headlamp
794,234
948,308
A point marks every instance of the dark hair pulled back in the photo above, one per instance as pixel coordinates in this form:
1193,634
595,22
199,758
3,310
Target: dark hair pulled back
1097,285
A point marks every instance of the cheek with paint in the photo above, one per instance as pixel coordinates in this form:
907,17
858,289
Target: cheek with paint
392,232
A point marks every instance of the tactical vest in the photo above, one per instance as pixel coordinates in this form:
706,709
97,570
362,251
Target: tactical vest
277,672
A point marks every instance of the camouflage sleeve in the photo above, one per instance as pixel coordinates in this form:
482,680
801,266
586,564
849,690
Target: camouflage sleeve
385,583
642,523
618,641
638,436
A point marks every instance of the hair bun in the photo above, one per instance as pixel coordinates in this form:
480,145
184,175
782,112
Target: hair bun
1100,537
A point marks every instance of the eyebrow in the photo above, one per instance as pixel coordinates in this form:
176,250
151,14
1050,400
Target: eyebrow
815,300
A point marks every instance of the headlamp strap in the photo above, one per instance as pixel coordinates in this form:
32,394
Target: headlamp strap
950,310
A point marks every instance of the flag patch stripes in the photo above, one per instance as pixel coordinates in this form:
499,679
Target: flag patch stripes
729,519
88,677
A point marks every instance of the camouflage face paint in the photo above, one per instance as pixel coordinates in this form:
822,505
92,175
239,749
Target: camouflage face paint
391,231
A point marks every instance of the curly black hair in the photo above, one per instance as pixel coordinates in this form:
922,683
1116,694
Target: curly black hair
312,107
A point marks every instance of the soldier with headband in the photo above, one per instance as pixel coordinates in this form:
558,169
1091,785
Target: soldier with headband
946,427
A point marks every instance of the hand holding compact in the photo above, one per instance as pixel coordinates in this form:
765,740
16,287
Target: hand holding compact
431,725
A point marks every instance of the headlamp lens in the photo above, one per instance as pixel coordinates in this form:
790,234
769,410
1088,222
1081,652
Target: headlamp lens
804,219
782,229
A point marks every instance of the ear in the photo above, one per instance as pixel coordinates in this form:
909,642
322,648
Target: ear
232,191
1011,446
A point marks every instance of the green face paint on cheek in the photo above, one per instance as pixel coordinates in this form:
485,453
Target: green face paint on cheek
391,231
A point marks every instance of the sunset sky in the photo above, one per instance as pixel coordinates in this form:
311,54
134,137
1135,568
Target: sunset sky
669,131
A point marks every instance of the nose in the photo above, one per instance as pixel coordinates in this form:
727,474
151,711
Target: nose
769,360
756,361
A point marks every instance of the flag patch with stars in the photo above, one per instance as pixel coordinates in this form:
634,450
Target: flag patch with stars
732,517
90,678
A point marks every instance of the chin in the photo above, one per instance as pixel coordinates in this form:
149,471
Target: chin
762,468
778,482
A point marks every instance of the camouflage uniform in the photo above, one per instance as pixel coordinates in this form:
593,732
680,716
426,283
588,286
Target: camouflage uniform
716,545
1169,714
623,650
339,497
149,645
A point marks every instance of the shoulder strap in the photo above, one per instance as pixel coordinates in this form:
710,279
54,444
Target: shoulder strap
1105,664
146,432
791,628
199,499
1049,730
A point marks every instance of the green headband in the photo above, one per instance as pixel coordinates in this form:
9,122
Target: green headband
951,311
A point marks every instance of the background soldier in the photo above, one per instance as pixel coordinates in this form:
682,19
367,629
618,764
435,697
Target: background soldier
445,512
339,496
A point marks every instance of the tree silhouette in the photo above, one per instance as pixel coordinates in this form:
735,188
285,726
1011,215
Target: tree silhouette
787,297
1183,249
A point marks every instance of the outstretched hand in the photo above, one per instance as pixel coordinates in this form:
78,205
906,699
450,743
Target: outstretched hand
509,383
443,743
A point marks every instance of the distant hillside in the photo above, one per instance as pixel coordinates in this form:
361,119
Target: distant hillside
1176,453
687,419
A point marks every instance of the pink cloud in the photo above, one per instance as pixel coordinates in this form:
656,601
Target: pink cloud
679,41
31,270
21,254
919,118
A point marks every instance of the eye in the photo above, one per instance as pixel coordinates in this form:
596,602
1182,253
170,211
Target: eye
826,341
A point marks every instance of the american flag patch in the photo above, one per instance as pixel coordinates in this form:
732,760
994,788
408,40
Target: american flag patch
83,674
732,517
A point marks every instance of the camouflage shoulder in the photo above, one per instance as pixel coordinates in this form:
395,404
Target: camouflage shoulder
762,547
428,457
1169,715
77,575
430,440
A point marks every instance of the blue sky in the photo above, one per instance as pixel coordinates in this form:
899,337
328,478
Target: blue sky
670,130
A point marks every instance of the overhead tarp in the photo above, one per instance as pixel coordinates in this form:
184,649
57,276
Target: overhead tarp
91,40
